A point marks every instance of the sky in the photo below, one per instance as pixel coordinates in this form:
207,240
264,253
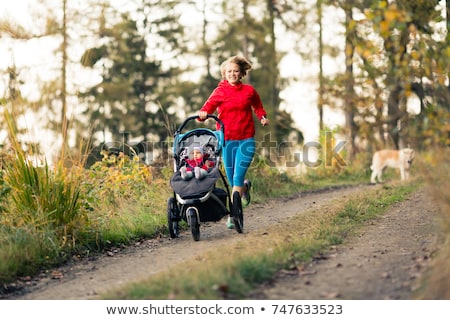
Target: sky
36,61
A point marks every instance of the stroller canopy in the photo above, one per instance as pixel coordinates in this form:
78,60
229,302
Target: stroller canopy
210,141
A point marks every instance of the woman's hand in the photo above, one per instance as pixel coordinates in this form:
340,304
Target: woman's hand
202,115
264,121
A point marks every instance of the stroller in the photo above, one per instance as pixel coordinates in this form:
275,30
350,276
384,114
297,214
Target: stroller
195,201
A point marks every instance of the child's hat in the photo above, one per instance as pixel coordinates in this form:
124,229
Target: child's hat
198,149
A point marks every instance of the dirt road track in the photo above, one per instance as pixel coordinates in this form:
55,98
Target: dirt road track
383,262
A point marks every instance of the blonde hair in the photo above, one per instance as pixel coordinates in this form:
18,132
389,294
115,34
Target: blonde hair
243,63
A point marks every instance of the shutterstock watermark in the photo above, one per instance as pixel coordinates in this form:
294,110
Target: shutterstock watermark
288,154
312,154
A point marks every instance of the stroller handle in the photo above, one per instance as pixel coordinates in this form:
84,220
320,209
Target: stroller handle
191,118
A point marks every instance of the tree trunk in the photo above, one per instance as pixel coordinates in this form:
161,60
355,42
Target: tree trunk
321,80
349,98
394,116
272,110
64,122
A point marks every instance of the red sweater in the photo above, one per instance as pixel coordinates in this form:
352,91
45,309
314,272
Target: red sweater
192,163
234,105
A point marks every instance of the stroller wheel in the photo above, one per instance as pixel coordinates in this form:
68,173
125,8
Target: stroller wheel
236,211
193,221
173,218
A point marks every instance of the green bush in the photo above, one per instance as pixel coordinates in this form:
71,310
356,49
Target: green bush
41,197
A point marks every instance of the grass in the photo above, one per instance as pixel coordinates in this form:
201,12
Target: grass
50,214
117,202
24,248
435,167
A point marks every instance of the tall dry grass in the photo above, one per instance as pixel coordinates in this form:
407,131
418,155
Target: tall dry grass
435,167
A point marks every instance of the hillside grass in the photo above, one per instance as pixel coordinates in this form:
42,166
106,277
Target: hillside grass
48,215
435,168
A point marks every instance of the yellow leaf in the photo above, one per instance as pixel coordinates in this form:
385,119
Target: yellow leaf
384,28
390,15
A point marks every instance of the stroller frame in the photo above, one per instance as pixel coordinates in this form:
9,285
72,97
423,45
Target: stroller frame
195,201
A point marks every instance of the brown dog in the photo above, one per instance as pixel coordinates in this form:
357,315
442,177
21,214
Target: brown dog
382,159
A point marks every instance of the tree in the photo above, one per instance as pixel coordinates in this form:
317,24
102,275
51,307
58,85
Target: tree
64,48
405,27
14,100
320,55
135,94
391,53
349,97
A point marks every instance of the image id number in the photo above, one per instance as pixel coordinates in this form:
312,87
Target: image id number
307,309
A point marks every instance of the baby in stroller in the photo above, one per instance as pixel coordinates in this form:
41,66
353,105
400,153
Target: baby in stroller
197,165
205,199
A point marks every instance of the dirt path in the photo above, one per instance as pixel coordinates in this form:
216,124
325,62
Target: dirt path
383,262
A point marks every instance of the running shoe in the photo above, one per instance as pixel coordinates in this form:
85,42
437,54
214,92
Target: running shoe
246,194
230,224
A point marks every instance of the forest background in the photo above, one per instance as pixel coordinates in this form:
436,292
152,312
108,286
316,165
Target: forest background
129,71
127,75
